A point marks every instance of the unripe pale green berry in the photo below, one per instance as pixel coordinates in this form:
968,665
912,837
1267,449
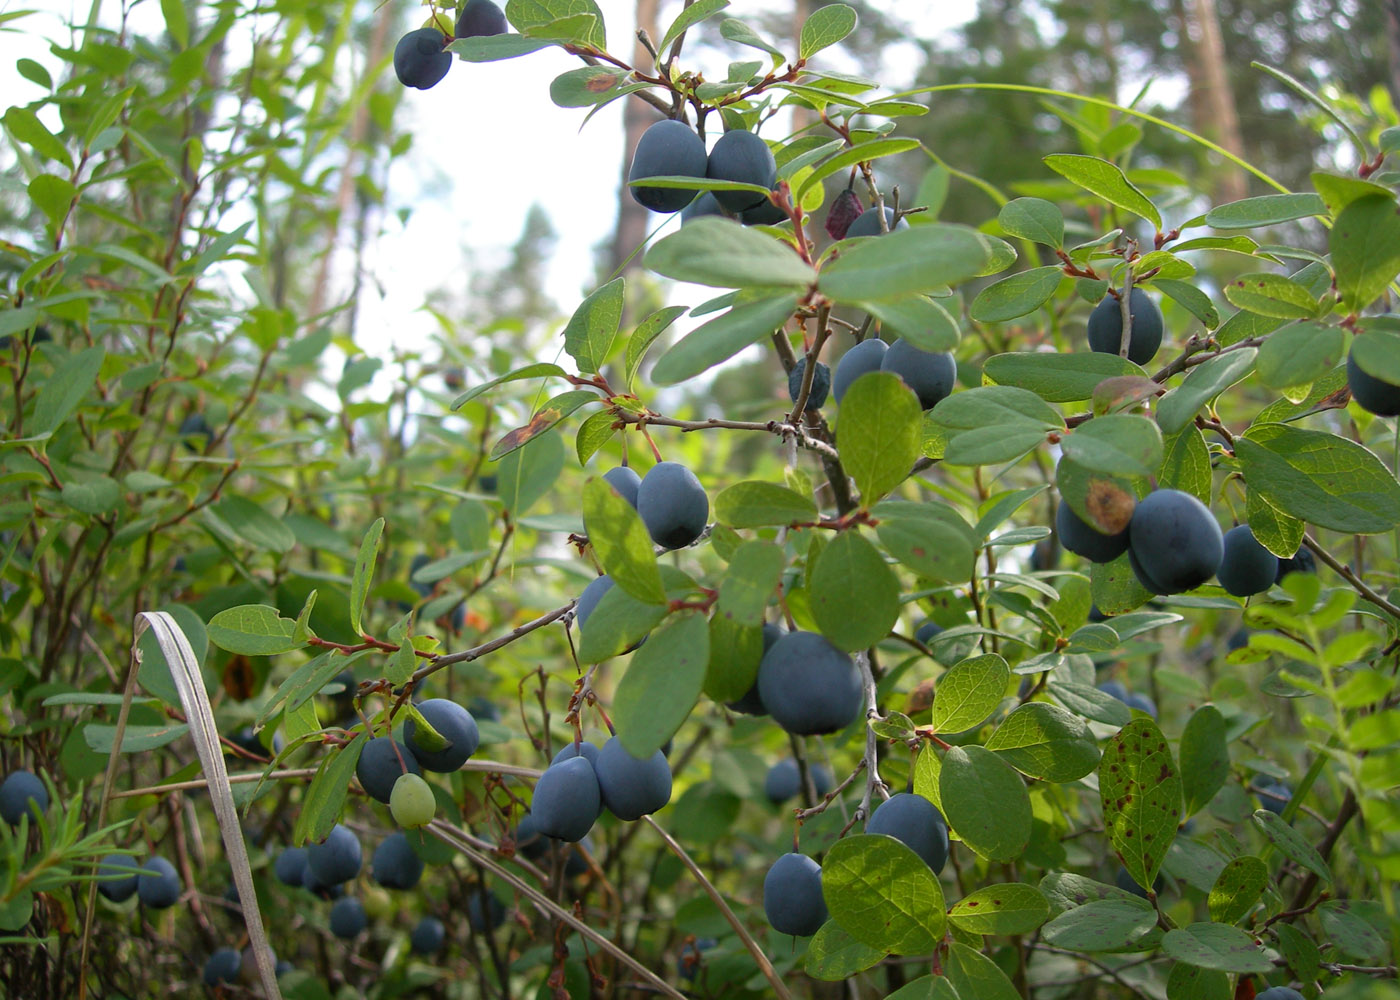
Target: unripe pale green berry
411,802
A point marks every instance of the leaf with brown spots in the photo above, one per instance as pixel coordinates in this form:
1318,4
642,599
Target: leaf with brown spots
545,418
1141,793
1014,908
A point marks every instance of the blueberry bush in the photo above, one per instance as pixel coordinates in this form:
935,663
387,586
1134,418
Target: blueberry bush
1032,633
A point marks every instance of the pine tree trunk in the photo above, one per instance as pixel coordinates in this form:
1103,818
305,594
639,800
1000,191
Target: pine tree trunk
1212,102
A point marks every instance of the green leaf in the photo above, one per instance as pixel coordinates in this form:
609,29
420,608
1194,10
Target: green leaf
880,433
689,17
1101,925
662,684
253,630
735,652
985,802
996,406
135,739
1102,178
646,333
364,574
1238,889
526,474
864,152
1012,908
1349,931
1057,378
324,799
254,525
737,31
1141,795
588,86
53,196
883,894
1190,298
1265,210
906,262
1271,295
619,622
1320,478
973,974
95,496
1365,245
27,127
1119,444
922,321
1205,757
854,596
61,393
592,329
756,504
539,370
1016,295
1291,843
596,430
1216,946
746,588
1272,528
1186,464
543,17
934,549
1034,219
722,337
723,254
969,692
1204,382
825,27
494,48
176,21
621,542
833,955
1186,982
545,419
1044,741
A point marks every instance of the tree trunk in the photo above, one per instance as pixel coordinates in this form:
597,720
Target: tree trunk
1392,31
633,221
1212,103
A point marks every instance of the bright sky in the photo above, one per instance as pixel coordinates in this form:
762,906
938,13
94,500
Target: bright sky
487,143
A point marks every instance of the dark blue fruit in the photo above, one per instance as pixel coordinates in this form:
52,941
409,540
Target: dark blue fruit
1302,561
632,787
348,918
1115,689
784,780
283,967
625,481
1095,615
583,749
927,632
765,213
752,703
158,885
485,912
395,864
864,357
290,866
116,884
421,59
382,760
1126,882
792,896
673,505
1106,327
419,561
1272,794
913,821
1372,394
480,708
821,384
667,149
336,859
344,699
868,223
930,374
528,839
743,157
1238,640
1174,543
480,17
1246,567
222,967
1279,993
194,426
428,936
1142,703
1078,536
588,600
808,685
567,800
487,484
22,793
701,207
317,888
454,724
